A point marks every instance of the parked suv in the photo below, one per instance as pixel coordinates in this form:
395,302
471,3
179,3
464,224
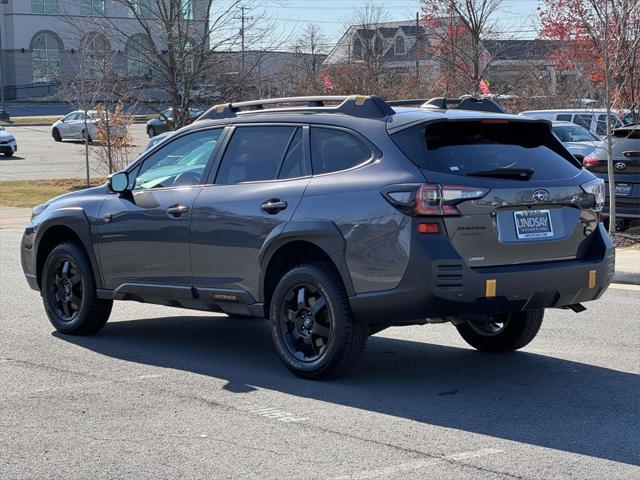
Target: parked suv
335,222
626,173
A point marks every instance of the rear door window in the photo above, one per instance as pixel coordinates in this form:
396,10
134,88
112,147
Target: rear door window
564,117
583,120
254,154
333,150
470,148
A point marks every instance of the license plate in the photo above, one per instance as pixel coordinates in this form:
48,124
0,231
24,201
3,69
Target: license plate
623,189
533,224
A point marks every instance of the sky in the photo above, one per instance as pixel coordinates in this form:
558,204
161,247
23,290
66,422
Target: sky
331,15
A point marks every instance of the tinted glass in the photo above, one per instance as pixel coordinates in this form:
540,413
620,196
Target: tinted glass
583,120
178,163
573,133
564,117
467,147
294,164
333,150
254,154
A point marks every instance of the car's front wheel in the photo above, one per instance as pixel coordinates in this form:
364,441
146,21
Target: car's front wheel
312,326
69,292
504,332
56,135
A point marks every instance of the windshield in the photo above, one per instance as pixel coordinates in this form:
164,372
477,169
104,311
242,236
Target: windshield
573,133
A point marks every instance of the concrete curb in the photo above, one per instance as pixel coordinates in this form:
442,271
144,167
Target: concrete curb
630,278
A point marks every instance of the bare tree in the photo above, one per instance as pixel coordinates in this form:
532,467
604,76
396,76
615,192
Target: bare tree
457,31
177,43
309,48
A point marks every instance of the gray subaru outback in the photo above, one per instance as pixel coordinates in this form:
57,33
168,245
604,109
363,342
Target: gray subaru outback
335,217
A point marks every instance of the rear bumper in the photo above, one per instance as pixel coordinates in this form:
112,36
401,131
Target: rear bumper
438,283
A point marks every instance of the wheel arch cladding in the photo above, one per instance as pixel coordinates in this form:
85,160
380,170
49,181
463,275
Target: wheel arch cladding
301,242
64,228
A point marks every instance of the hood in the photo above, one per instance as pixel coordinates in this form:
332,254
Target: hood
4,135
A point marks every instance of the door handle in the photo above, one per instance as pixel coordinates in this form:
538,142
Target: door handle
177,211
274,206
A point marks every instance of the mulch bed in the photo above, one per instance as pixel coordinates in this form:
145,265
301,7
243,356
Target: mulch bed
624,240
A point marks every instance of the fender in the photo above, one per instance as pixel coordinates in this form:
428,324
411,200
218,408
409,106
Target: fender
323,234
76,220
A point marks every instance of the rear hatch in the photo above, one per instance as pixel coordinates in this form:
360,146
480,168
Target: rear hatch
626,165
532,209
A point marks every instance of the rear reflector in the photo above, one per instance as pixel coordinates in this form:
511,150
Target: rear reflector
428,228
490,288
592,278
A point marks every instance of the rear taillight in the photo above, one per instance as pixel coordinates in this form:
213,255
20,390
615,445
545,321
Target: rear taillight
436,199
590,160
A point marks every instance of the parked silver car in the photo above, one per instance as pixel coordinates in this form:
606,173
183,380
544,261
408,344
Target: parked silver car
72,126
8,145
578,140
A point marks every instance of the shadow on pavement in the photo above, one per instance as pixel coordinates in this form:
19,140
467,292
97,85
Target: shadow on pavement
525,397
11,157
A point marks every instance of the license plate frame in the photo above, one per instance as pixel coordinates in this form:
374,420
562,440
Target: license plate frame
628,188
535,224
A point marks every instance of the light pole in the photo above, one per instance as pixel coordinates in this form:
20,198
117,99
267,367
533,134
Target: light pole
4,115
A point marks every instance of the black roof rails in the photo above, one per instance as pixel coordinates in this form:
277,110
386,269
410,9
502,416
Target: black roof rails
466,103
368,106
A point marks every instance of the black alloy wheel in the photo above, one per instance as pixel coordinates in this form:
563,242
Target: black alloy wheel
66,290
305,323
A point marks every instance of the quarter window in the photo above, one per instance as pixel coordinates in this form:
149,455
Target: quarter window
333,150
179,163
255,154
564,117
44,6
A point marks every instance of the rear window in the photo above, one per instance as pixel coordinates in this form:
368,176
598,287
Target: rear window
466,148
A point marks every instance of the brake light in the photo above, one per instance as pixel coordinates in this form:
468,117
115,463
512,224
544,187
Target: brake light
590,160
436,199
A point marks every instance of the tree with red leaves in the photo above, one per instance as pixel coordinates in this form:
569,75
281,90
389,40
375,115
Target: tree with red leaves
602,39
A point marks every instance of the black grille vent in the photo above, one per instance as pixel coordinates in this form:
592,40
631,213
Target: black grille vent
449,277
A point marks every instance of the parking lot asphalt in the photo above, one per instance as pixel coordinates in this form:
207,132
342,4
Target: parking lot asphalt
39,157
169,393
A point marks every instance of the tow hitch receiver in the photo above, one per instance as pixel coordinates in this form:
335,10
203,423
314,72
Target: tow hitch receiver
576,307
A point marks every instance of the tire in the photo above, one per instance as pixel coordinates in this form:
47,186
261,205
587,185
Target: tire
315,340
89,140
56,135
151,132
517,330
67,275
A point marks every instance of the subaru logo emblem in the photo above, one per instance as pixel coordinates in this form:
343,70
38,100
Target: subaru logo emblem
541,195
620,165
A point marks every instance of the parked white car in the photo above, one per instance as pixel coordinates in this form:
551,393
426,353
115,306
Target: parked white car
8,145
593,119
72,126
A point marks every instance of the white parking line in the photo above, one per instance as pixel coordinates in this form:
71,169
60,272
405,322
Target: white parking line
384,472
273,413
625,286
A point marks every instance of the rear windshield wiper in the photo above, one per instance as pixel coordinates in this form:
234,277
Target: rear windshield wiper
510,173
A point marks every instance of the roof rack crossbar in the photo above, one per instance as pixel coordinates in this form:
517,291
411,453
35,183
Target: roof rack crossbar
408,102
353,105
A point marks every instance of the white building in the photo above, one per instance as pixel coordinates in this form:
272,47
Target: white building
37,39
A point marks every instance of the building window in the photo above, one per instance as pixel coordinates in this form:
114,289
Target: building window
187,9
139,52
45,58
357,48
92,7
97,54
399,45
141,8
44,6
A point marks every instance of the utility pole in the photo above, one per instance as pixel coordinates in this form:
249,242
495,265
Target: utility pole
4,115
417,47
243,19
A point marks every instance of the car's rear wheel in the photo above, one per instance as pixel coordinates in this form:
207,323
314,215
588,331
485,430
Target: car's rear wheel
503,332
69,292
56,135
312,326
84,137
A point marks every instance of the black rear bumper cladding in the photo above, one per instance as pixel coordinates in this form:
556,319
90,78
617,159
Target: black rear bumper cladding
438,283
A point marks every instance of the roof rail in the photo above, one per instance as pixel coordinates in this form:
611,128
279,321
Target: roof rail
465,103
370,106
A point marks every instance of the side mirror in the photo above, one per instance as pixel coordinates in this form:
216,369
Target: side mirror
119,182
